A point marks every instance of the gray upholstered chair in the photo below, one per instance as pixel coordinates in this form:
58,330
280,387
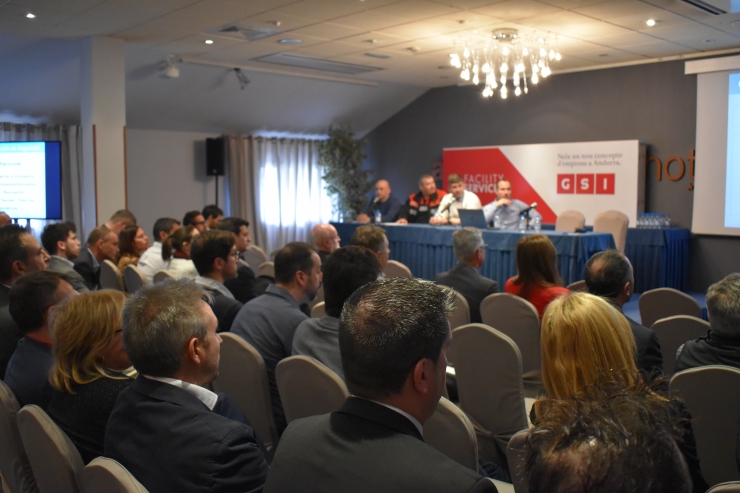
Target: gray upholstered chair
134,278
308,388
570,221
254,256
666,302
517,457
110,276
14,464
104,475
578,286
318,310
266,269
730,487
450,431
318,299
163,275
613,222
674,331
461,315
396,269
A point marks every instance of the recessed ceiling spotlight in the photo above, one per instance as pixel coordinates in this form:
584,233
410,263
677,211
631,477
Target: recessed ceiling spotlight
290,41
276,23
209,41
30,15
377,55
650,22
371,41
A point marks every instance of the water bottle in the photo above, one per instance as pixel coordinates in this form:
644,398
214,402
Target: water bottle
378,216
522,223
497,221
537,224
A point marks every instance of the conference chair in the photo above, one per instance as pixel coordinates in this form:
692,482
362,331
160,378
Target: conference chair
450,431
488,368
666,302
111,277
674,331
134,279
461,314
308,388
14,464
163,275
711,396
55,461
518,319
516,454
254,256
266,269
318,299
104,475
578,287
242,375
730,487
396,269
318,310
613,222
570,221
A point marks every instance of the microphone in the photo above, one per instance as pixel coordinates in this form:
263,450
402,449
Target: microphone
447,206
376,200
532,206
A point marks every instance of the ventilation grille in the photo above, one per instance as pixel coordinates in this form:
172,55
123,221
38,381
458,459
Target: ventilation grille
303,61
242,32
710,8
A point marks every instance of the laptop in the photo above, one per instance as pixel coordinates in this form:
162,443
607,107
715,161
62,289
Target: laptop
474,218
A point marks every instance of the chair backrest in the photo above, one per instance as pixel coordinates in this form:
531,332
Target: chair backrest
461,314
666,302
516,455
395,268
729,487
242,375
318,310
266,269
674,331
14,464
578,286
255,256
488,368
570,221
450,431
134,278
318,299
518,319
711,395
163,275
613,222
308,388
110,276
55,461
104,475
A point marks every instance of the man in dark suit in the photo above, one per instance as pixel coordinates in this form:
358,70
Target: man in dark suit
393,338
243,285
102,244
609,274
163,428
464,278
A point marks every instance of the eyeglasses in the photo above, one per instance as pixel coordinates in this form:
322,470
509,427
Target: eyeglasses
235,255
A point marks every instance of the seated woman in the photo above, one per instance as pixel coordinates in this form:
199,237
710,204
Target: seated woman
588,350
88,373
133,242
176,251
538,280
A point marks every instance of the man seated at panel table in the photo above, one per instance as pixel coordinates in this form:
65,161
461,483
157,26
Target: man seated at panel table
422,205
508,209
457,199
385,202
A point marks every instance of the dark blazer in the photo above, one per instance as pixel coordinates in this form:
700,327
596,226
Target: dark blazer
649,358
75,278
28,370
224,308
85,267
242,286
467,281
364,447
9,333
714,349
170,441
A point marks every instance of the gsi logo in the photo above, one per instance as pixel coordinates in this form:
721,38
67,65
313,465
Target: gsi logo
587,184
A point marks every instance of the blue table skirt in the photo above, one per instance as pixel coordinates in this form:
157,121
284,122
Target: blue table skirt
660,258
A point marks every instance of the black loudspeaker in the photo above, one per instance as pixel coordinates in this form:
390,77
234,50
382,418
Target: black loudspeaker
216,157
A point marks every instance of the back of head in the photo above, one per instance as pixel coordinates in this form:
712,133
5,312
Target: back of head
535,263
369,236
386,328
606,273
465,242
54,233
212,211
158,321
189,218
126,240
294,257
346,270
585,342
723,305
163,225
12,250
175,241
127,217
97,234
208,246
31,295
232,224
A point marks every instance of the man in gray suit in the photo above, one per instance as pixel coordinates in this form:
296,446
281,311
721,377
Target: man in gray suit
61,242
464,277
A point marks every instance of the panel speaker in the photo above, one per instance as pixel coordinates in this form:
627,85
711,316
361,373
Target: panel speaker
215,157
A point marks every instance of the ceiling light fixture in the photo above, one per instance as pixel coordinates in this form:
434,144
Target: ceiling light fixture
650,22
209,41
169,68
290,41
30,15
504,55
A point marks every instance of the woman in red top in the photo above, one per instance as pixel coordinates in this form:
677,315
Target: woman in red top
538,281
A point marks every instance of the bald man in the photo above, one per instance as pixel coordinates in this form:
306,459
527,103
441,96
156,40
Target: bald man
5,219
385,202
325,240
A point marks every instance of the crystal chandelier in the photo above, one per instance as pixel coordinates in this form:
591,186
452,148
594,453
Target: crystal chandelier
504,55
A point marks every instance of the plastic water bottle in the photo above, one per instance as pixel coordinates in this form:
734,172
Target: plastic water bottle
537,224
378,216
497,221
522,223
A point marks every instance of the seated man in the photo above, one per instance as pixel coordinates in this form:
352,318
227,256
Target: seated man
61,242
721,346
346,270
102,244
384,202
393,338
214,255
422,205
269,321
325,240
151,260
163,428
508,209
609,274
213,215
464,278
194,219
457,199
120,220
243,285
32,298
373,238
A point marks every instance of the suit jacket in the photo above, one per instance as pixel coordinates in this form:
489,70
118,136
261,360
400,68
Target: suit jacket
364,447
467,281
57,264
648,356
85,266
9,333
242,286
170,441
224,308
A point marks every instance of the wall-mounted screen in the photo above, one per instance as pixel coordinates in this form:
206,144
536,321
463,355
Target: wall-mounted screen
31,179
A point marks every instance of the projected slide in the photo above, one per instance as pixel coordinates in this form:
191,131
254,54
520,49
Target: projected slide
732,191
23,179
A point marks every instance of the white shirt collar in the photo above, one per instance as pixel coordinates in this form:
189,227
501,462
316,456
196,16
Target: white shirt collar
204,395
404,414
65,260
215,285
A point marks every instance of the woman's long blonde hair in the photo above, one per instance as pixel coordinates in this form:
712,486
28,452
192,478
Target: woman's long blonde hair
83,328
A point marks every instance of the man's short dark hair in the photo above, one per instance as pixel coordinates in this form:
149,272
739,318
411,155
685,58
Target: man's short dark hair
164,225
294,257
233,224
124,215
31,295
212,211
12,249
723,305
99,233
611,278
386,328
208,246
369,236
346,270
54,233
189,219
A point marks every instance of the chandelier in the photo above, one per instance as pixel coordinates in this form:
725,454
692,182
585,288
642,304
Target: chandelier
504,55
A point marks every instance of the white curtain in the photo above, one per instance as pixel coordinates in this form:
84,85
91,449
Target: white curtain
71,138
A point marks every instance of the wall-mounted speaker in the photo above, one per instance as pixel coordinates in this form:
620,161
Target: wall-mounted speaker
216,157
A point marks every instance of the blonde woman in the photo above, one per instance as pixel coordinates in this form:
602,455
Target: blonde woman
88,373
